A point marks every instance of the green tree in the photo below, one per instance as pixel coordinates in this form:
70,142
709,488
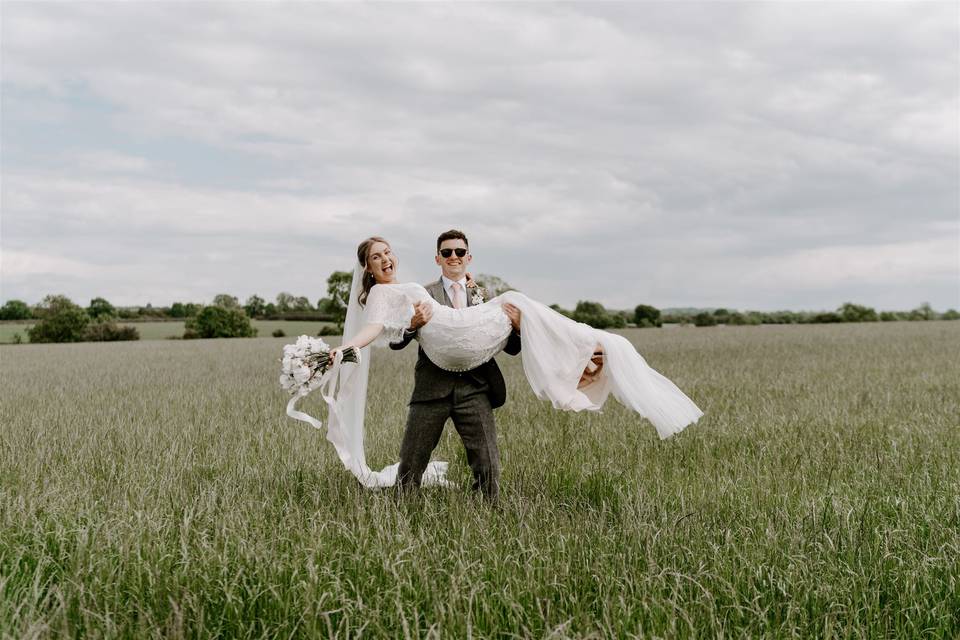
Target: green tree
826,317
331,308
184,310
108,331
595,315
338,295
226,301
676,318
721,315
950,314
255,306
301,303
219,322
284,301
923,312
704,319
737,318
100,309
780,317
753,318
646,316
850,312
15,310
60,321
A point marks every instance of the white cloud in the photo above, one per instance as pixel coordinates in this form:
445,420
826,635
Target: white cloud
105,161
19,265
889,264
702,145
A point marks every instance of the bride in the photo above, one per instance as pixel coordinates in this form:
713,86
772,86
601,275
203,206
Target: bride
571,364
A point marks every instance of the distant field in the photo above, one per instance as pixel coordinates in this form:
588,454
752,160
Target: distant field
165,330
157,490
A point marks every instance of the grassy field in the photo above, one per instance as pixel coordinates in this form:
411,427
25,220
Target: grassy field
156,489
167,330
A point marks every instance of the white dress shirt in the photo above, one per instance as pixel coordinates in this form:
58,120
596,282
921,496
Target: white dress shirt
448,287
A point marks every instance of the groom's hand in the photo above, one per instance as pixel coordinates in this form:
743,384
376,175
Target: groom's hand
422,312
514,314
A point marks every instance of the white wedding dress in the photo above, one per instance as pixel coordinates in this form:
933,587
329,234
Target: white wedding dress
555,352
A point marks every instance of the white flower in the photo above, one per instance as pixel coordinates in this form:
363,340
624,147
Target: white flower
478,294
300,366
302,373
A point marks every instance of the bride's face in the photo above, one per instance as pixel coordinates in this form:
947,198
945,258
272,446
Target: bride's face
381,263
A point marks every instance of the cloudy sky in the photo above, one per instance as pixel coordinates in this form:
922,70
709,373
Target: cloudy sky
759,155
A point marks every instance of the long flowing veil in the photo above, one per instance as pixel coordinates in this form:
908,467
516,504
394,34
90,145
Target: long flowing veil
346,397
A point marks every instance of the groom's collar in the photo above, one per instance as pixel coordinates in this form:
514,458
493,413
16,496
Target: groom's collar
446,282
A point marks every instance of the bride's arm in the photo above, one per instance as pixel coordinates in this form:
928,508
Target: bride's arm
365,336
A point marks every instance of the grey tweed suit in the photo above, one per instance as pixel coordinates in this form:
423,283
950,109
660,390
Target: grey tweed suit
469,398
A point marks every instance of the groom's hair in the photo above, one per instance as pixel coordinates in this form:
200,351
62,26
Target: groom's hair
453,234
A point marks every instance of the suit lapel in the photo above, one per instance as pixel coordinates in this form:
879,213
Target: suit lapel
439,293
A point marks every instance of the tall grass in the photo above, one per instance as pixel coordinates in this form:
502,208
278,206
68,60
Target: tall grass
156,489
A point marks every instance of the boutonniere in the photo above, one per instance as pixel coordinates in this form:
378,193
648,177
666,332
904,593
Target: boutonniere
478,294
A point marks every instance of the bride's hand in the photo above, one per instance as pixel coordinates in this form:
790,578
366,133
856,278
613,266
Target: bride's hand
422,312
471,283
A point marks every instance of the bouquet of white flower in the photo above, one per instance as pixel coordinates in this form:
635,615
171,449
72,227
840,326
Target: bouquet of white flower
304,363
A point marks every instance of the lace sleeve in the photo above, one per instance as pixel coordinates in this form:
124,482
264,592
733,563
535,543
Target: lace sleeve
388,306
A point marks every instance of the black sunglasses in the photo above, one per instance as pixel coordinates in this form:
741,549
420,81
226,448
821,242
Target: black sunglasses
446,253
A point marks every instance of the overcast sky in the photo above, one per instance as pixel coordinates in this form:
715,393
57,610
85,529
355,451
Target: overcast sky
758,156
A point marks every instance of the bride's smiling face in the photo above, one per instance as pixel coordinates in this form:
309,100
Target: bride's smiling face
381,263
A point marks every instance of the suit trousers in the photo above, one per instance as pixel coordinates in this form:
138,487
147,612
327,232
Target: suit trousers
469,407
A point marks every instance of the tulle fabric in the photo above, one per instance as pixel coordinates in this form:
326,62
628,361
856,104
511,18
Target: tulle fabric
556,350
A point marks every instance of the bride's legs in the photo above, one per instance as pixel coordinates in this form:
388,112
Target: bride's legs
594,368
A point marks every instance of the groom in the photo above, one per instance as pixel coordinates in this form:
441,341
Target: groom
469,398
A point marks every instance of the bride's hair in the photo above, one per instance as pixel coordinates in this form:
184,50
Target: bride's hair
368,281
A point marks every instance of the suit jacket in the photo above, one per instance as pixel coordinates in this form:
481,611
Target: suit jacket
430,382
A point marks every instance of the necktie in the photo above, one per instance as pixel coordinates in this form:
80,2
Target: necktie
458,300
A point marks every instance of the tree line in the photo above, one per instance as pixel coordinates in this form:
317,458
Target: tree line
59,319
594,314
286,307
